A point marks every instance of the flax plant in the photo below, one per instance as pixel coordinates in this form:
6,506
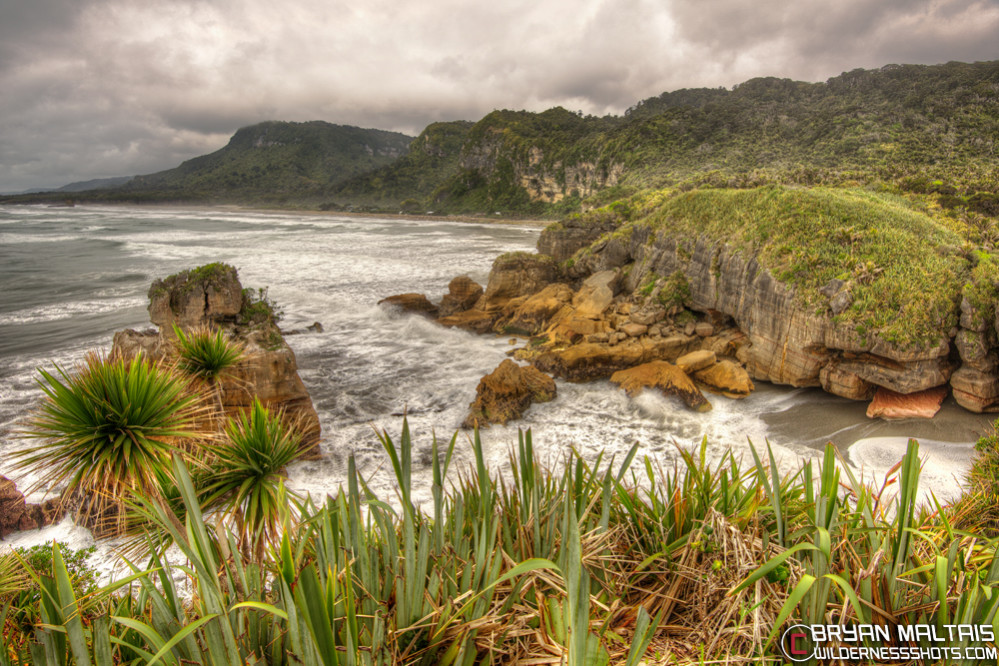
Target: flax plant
107,431
245,475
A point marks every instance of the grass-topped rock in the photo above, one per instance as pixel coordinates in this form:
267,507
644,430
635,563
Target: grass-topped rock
844,288
209,294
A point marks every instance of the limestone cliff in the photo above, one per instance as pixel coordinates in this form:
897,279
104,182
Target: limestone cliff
799,334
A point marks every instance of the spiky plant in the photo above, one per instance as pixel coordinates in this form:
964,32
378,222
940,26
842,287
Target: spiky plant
245,477
206,354
106,431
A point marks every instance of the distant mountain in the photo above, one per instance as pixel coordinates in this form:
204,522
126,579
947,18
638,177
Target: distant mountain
95,184
916,128
432,159
276,161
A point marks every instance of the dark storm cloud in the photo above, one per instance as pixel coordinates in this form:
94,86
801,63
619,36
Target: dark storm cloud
110,87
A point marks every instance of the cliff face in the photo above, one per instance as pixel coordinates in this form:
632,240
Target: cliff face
790,344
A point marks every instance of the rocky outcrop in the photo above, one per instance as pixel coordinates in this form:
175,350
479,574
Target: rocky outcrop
789,343
727,377
411,302
207,295
268,368
890,405
562,240
668,378
516,275
506,392
17,515
462,294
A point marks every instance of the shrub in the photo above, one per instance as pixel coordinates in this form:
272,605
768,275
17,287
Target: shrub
206,354
105,430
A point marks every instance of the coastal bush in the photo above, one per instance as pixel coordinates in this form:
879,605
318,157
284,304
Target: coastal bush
206,354
258,309
105,431
245,474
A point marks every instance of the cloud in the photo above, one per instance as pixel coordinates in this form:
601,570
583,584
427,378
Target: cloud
98,88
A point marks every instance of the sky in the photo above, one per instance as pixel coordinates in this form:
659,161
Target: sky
100,88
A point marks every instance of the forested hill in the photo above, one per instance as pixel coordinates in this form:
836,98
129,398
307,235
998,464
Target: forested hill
277,161
908,127
914,127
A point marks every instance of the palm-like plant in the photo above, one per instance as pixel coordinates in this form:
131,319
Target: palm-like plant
245,478
206,354
106,431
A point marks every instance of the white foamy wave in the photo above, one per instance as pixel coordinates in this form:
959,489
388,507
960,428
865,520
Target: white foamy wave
944,464
70,310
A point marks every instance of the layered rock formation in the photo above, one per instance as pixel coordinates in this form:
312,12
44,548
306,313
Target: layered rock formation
213,296
17,515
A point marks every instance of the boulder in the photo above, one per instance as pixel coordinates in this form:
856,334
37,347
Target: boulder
534,315
17,515
703,329
696,360
648,315
728,377
634,330
888,404
412,302
596,294
975,390
668,378
462,294
516,274
506,392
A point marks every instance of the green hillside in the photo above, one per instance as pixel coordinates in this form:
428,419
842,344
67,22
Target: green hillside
433,157
276,161
920,128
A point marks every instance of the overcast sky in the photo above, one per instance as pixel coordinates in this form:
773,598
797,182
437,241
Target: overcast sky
97,88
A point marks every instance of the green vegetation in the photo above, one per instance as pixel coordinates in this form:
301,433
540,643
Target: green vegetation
206,354
258,309
105,432
245,474
409,182
905,265
597,562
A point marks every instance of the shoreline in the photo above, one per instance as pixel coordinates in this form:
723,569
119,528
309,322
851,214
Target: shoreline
539,223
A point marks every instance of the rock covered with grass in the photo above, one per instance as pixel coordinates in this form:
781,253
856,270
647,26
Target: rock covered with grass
208,303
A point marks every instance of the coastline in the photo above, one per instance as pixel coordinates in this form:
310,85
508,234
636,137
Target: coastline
538,223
